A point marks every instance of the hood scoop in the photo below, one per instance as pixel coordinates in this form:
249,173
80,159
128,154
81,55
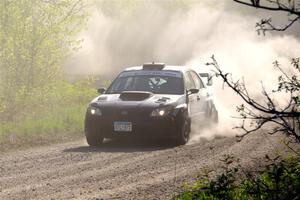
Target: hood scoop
135,95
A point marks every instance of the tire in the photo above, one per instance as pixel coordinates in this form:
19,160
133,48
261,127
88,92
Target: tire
93,137
212,114
183,133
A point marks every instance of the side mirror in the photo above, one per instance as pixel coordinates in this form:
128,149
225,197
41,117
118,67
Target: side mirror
210,81
192,91
101,90
208,77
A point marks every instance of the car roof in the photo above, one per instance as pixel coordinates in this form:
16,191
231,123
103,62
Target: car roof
165,68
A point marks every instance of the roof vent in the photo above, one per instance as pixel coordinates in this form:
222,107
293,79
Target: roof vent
153,66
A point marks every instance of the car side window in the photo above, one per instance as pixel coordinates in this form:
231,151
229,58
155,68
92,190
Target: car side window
189,81
198,82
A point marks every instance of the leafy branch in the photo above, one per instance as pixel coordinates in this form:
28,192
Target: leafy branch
291,7
284,118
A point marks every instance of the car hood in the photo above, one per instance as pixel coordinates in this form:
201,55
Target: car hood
150,101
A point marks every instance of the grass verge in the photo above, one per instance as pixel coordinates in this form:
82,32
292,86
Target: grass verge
54,117
280,180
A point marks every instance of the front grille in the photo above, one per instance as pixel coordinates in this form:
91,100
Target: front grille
126,113
131,113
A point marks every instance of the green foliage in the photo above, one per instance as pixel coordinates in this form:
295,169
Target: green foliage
222,187
278,181
59,111
35,38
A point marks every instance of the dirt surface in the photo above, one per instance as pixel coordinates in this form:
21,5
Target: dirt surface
121,169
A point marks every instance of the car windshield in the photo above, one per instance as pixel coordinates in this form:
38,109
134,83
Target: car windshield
156,82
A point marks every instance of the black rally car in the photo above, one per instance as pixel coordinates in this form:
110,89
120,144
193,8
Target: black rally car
150,101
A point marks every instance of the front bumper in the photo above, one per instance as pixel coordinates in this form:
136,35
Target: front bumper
143,126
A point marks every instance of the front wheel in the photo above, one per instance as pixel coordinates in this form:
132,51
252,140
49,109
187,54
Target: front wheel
184,134
93,137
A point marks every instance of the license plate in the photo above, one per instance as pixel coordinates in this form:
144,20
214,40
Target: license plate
122,126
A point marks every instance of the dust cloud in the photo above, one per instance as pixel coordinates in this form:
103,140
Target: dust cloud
127,33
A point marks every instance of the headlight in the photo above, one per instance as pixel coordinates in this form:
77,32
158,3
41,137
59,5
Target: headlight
160,112
96,111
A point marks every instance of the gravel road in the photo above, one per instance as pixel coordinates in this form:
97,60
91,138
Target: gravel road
120,169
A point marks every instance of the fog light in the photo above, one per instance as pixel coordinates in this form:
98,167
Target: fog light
161,112
96,111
